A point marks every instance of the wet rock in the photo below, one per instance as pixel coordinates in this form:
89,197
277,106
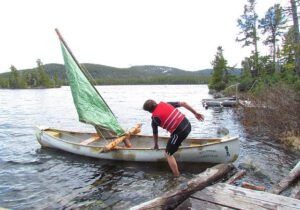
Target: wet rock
222,131
254,167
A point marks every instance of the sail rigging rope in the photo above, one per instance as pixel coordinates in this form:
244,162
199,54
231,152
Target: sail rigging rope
84,69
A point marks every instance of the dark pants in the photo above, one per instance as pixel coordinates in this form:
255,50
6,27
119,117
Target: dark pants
176,138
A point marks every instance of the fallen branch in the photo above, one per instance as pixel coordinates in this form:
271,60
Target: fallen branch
173,198
253,187
287,181
236,176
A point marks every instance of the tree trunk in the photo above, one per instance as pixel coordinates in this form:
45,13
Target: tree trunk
274,53
173,198
297,36
256,73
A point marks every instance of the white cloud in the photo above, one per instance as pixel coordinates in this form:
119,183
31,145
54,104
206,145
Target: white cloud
176,33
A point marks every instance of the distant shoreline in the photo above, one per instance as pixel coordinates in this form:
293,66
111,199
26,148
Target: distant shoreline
41,88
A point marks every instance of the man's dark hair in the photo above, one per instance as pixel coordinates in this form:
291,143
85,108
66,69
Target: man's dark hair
149,105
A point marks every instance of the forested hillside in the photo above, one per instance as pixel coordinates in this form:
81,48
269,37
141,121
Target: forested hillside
101,74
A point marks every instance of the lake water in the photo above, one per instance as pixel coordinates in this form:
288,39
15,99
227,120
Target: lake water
36,178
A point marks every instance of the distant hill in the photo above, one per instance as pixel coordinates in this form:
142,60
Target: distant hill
147,74
102,71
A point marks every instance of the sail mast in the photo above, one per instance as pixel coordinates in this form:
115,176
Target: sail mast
76,61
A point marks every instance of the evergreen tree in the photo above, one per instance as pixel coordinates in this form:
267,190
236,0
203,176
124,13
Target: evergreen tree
4,83
15,79
56,80
288,51
245,77
219,64
44,79
273,24
248,34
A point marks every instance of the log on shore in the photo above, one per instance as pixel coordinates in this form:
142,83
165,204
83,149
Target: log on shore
287,181
172,199
236,177
296,191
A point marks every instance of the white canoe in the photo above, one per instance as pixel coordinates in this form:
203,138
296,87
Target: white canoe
206,150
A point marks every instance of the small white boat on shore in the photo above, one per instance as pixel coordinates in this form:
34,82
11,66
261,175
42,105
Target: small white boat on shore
204,150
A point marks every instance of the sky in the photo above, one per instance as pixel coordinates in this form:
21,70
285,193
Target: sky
183,34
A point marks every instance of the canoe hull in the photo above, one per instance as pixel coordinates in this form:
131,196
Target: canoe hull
221,152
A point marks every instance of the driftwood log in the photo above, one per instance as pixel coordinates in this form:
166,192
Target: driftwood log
236,177
296,191
173,198
287,181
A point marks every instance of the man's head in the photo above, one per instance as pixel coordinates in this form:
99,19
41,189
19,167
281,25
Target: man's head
149,105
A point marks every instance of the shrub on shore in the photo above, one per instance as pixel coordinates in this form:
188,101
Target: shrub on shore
274,111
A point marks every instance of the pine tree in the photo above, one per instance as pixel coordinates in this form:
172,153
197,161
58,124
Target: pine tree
219,64
14,77
56,80
248,34
245,77
44,79
273,24
288,50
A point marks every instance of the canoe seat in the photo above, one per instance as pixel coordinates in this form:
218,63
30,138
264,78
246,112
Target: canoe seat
90,140
54,133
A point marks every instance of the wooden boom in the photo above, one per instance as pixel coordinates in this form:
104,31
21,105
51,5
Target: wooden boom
133,131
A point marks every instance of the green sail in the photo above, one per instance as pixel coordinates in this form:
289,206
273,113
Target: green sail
91,108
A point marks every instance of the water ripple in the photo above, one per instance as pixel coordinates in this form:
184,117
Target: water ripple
36,178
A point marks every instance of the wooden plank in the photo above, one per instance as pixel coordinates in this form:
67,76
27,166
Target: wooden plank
196,204
90,140
240,198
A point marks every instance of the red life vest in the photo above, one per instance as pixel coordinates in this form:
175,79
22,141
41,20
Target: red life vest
170,116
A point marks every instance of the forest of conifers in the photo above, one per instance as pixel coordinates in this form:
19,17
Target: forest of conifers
279,30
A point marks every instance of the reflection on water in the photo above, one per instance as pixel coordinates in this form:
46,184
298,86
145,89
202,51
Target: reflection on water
31,177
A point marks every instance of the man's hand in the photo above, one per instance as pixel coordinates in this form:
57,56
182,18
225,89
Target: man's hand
156,146
188,107
199,116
